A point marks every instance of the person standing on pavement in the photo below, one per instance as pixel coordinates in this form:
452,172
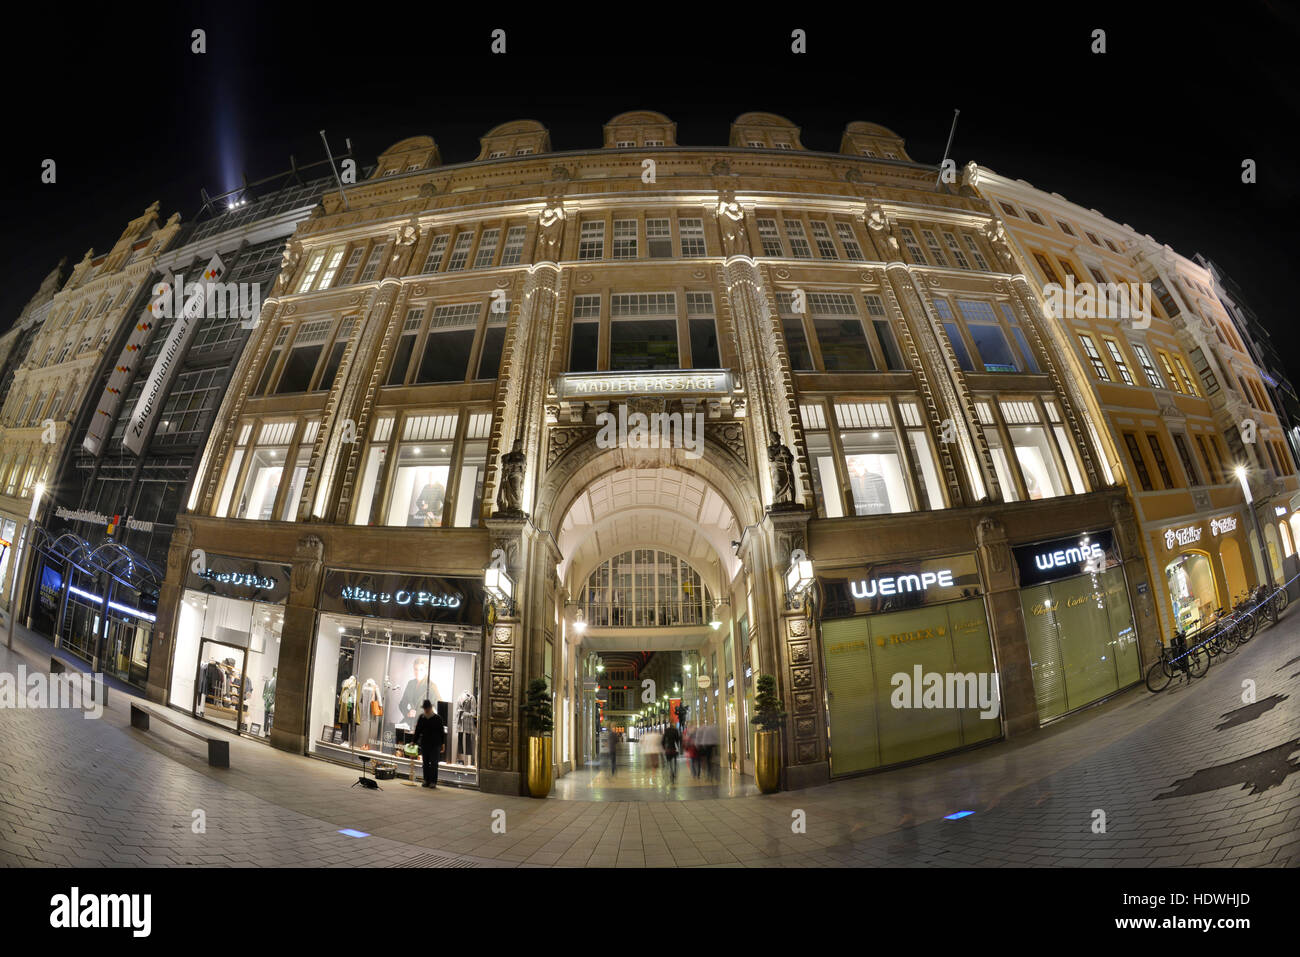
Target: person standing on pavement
430,735
672,742
613,752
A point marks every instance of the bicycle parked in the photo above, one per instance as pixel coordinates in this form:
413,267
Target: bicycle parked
1220,635
1177,659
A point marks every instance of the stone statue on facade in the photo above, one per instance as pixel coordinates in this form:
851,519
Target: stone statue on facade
510,497
780,465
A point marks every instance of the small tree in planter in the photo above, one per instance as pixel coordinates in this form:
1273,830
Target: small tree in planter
539,721
538,716
768,713
769,719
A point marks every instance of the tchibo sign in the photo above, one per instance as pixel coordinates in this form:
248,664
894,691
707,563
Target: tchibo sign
1065,557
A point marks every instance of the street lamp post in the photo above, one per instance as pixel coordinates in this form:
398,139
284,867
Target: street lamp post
1259,532
37,492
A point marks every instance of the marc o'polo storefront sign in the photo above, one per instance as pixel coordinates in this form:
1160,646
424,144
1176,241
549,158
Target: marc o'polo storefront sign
403,597
892,586
240,578
1060,558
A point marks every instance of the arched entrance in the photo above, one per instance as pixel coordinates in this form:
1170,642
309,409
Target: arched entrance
1234,569
656,619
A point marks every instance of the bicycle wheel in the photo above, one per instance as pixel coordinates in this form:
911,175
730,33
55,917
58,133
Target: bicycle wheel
1228,640
1282,599
1246,627
1159,676
1198,662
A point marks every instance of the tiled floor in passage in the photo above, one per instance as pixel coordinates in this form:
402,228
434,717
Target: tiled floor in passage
1190,777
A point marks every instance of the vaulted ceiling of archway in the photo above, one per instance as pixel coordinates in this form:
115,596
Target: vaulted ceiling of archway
650,508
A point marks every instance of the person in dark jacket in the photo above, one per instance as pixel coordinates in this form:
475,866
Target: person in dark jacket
671,743
430,734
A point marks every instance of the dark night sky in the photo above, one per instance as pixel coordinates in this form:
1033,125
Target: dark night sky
1152,133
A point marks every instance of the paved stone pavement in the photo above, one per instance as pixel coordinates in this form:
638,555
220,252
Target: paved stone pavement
99,793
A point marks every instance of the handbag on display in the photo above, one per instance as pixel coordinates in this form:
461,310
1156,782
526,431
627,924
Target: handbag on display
376,709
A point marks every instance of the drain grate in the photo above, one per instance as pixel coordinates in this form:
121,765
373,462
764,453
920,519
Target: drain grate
436,860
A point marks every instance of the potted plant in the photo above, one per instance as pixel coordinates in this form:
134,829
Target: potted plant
539,720
769,719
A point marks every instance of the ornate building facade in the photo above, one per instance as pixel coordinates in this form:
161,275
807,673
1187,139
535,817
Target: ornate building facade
460,366
1178,382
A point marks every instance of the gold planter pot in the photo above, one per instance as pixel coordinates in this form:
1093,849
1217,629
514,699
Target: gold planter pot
539,765
767,761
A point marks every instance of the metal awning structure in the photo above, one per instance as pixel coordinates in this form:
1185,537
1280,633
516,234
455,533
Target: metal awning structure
109,557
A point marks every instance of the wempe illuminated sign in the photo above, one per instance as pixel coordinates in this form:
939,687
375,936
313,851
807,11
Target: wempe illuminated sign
900,584
1086,553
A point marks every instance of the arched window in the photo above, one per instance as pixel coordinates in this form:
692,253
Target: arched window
645,588
1286,539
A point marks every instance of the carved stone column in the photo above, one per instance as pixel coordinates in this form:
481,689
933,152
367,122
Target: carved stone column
297,637
163,650
1142,590
501,740
1007,623
805,762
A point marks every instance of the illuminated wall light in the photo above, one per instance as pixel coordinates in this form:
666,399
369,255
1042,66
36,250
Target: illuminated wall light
957,815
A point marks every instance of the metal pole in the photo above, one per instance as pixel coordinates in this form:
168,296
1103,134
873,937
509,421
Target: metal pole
18,555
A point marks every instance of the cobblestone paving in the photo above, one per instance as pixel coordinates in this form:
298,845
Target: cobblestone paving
1190,777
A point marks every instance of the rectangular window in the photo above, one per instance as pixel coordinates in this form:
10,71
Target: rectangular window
770,238
514,247
421,471
405,346
313,269
1166,300
974,247
658,238
591,240
335,357
1090,351
331,267
913,247
852,248
799,247
1148,367
873,462
1186,378
643,331
469,497
704,331
936,251
308,345
494,340
990,339
840,333
1185,456
1045,267
1117,357
584,348
264,383
821,459
1202,367
373,262
437,247
625,239
957,255
1139,464
822,237
487,249
1157,453
350,268
1169,372
449,342
1211,460
691,232
460,251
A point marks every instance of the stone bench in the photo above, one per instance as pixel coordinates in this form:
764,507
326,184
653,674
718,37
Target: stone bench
218,748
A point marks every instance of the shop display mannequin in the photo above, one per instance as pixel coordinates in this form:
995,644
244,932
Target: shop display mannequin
466,722
348,706
366,717
268,701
